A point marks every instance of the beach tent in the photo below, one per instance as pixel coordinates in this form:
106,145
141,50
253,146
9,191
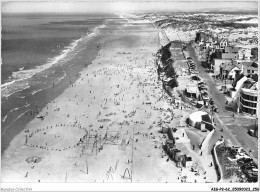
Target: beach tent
196,118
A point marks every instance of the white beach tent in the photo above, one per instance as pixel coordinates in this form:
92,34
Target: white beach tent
198,117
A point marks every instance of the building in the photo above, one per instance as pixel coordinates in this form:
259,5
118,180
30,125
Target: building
200,118
218,63
254,53
230,49
229,55
250,68
233,72
245,54
203,37
192,90
248,97
221,44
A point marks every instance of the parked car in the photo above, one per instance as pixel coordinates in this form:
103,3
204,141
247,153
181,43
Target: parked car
202,83
215,108
251,132
211,102
195,78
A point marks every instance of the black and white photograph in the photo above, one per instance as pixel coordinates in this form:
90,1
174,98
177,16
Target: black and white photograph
129,92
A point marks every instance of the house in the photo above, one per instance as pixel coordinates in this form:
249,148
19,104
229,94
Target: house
250,68
233,72
225,68
221,44
229,53
218,63
244,54
203,37
248,97
230,70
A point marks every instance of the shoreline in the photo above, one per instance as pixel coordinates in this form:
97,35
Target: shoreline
45,96
113,112
17,152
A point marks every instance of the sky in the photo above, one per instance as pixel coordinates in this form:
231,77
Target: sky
124,6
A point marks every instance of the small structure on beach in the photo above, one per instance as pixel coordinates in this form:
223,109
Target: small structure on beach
192,90
199,119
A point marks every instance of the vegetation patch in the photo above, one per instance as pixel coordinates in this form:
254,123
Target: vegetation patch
231,170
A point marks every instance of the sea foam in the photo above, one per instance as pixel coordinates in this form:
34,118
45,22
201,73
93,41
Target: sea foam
19,79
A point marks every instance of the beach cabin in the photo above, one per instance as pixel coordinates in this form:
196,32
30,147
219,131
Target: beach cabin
180,159
191,90
169,145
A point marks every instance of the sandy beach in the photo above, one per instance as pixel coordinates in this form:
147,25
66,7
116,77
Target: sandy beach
104,127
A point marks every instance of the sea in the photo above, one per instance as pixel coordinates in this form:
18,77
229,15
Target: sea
38,52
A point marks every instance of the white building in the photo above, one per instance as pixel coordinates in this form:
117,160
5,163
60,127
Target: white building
248,97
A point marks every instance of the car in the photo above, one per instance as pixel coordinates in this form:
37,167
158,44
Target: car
251,132
211,102
215,108
195,78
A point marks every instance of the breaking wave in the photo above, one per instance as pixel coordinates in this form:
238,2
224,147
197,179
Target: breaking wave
19,79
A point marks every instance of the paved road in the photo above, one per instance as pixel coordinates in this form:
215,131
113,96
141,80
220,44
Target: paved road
235,128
